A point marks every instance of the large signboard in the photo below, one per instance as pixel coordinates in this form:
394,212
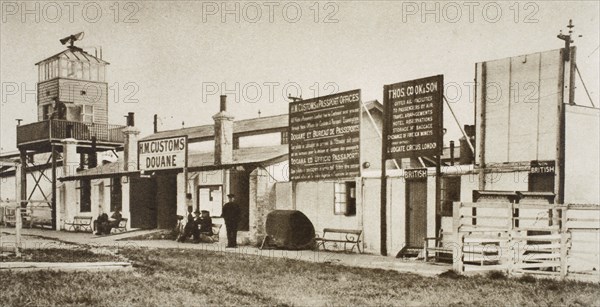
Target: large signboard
324,137
162,154
413,118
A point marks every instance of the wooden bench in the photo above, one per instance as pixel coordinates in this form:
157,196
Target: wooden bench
440,252
346,236
79,223
122,227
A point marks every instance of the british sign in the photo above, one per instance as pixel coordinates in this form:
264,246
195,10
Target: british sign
413,118
162,154
542,167
324,137
416,173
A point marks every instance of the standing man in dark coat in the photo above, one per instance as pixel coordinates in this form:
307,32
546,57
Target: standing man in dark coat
231,215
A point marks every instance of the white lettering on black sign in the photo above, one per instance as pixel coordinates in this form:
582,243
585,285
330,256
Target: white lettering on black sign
413,112
325,137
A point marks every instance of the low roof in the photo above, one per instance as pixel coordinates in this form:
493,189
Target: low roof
240,126
196,162
250,155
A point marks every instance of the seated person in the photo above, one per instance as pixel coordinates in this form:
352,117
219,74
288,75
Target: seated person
114,220
205,224
101,224
190,228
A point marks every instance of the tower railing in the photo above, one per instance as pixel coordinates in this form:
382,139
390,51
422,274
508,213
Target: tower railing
54,129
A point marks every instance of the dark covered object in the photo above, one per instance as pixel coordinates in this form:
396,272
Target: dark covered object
290,229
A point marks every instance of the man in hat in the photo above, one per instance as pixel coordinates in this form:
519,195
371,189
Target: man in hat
190,228
205,226
231,215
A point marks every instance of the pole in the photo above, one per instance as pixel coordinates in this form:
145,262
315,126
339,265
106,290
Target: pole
53,204
438,165
18,197
383,196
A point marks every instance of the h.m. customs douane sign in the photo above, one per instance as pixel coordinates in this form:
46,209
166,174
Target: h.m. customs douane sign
324,137
413,118
162,154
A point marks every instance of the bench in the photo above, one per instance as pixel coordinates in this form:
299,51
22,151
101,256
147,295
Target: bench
79,223
346,236
440,252
122,227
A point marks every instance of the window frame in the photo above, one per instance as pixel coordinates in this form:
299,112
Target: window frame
344,198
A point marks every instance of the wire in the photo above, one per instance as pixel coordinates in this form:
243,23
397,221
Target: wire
584,87
266,170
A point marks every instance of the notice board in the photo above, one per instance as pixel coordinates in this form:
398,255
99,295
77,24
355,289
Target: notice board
413,118
324,137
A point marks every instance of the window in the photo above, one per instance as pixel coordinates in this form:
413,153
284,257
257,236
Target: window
115,193
450,193
47,111
284,137
86,71
236,142
87,113
93,72
344,201
62,67
85,196
70,69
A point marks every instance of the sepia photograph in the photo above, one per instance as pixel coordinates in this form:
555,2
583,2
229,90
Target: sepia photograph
299,153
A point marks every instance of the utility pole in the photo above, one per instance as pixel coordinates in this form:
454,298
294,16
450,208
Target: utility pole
568,89
293,99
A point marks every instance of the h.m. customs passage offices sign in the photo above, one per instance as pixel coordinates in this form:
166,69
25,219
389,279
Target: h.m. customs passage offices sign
162,154
413,118
324,137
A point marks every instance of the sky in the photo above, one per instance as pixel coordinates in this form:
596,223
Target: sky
174,58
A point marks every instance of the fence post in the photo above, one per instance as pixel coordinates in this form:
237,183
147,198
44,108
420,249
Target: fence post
458,238
564,242
510,244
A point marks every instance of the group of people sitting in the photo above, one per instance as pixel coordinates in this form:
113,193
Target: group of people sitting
103,224
198,226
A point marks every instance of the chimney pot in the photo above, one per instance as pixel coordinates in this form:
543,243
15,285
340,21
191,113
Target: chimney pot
223,103
130,119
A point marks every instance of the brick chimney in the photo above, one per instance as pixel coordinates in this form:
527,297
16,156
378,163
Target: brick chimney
130,134
223,134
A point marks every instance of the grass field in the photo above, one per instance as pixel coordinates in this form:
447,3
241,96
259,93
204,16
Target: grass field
59,255
191,277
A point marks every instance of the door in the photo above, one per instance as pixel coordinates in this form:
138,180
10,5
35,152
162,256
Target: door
541,182
416,212
142,204
210,198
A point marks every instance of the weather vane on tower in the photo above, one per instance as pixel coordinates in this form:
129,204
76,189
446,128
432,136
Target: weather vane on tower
72,38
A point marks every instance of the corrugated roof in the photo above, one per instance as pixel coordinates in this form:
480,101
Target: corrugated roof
240,126
240,156
75,54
